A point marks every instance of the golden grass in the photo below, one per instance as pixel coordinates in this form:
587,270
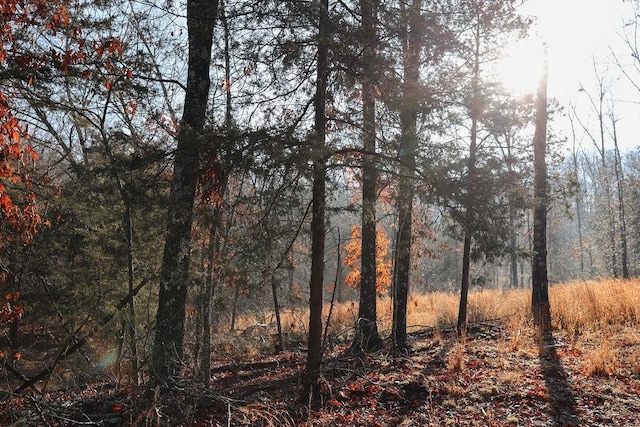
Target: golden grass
589,305
576,307
456,357
602,362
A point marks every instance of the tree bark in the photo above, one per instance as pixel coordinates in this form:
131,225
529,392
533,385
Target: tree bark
461,326
540,284
168,345
407,158
316,283
367,338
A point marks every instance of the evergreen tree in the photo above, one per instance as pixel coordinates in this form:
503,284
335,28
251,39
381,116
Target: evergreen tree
367,338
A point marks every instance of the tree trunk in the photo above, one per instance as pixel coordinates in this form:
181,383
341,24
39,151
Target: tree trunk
207,294
174,276
540,284
214,241
461,326
513,255
607,184
132,304
276,306
234,307
621,206
407,158
579,221
367,338
316,283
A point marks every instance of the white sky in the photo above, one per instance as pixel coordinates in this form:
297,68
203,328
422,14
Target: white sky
579,33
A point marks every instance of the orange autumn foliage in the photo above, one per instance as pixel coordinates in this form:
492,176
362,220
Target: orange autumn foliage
352,261
19,218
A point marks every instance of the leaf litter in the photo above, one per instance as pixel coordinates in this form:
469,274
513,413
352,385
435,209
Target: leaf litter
484,381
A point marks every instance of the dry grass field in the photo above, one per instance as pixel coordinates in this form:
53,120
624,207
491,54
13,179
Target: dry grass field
578,309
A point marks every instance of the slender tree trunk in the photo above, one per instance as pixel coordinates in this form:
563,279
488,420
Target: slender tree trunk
228,118
461,326
540,284
174,277
208,289
513,255
214,241
607,186
367,338
407,158
276,306
621,206
234,308
132,304
316,283
121,338
574,157
340,284
291,278
127,225
579,217
513,224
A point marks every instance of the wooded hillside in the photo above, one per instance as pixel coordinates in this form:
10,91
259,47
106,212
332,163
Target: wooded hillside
298,178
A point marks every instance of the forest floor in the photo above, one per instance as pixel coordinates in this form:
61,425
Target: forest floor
500,376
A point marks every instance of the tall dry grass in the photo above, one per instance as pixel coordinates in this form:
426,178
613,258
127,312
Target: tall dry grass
576,307
589,305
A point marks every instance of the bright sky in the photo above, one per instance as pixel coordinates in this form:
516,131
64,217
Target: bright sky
577,33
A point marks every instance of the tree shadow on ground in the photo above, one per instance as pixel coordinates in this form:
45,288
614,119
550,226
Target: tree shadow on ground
562,402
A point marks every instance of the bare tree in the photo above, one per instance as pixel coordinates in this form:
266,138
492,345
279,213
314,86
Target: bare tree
598,108
619,172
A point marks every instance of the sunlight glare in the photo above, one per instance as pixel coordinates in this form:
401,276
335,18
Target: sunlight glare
522,66
575,36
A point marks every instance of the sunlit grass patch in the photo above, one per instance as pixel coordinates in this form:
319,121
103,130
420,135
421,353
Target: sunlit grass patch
582,306
601,362
577,308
